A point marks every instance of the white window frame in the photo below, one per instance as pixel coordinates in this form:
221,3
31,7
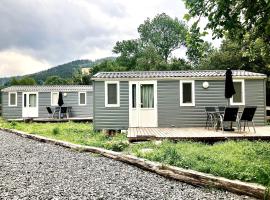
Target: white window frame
79,98
243,94
192,92
52,98
118,94
9,94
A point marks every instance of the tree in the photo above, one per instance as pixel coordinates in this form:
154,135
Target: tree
78,78
56,80
129,51
197,48
236,17
23,81
232,55
149,59
164,33
243,21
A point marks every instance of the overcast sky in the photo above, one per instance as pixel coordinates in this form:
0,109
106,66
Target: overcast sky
38,34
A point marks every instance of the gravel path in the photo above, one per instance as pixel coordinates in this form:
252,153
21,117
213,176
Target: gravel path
33,170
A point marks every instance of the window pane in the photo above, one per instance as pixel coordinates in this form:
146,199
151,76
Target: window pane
82,98
147,96
112,93
12,99
32,100
55,98
187,92
237,97
134,96
24,100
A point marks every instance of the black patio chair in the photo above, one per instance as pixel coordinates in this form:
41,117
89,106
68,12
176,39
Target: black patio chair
247,116
210,117
50,112
63,112
221,109
230,115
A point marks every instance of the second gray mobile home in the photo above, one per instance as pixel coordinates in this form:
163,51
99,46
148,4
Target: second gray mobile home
20,102
170,98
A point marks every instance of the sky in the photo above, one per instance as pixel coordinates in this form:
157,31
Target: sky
38,34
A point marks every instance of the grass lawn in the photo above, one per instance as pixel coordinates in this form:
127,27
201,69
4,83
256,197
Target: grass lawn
243,160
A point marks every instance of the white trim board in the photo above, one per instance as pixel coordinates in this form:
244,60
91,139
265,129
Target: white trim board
106,94
16,99
192,92
79,98
243,94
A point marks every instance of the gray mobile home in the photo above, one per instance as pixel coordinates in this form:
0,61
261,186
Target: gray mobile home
20,102
170,98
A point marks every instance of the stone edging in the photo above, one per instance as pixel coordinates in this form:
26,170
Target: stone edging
185,175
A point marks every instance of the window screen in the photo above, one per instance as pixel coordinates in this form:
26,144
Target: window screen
82,98
187,92
112,93
12,99
237,97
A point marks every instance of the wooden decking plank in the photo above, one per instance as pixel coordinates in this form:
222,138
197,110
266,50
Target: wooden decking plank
196,133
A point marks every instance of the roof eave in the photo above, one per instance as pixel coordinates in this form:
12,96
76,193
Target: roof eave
181,78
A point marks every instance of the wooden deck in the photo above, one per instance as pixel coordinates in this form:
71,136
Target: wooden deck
56,119
198,134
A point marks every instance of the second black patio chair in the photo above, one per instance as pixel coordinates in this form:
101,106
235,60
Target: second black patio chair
210,117
230,115
247,116
50,112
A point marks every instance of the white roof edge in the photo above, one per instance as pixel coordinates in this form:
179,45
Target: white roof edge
45,88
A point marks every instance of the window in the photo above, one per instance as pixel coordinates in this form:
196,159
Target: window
112,96
12,99
32,100
134,96
82,98
54,98
187,93
239,96
147,95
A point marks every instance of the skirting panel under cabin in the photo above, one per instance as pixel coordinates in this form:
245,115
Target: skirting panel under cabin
111,118
171,114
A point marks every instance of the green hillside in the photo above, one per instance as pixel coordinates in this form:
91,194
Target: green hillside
64,71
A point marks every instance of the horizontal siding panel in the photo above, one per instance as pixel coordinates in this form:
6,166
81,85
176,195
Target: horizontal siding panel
170,113
113,117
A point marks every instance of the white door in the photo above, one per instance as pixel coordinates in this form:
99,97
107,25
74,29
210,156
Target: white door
143,103
30,104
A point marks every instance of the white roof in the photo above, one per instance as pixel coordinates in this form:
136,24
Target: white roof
48,88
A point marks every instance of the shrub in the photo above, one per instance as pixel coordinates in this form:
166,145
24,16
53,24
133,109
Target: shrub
116,145
13,124
55,131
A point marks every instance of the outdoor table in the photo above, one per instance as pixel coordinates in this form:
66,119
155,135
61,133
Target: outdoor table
68,111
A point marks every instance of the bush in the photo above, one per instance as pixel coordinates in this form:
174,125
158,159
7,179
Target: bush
56,131
116,145
13,124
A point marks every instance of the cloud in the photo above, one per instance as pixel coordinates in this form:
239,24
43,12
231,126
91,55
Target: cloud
20,62
53,32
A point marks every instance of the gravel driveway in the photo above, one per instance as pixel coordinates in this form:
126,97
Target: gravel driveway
33,170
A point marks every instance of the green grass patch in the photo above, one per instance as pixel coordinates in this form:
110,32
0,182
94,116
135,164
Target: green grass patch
243,160
78,133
